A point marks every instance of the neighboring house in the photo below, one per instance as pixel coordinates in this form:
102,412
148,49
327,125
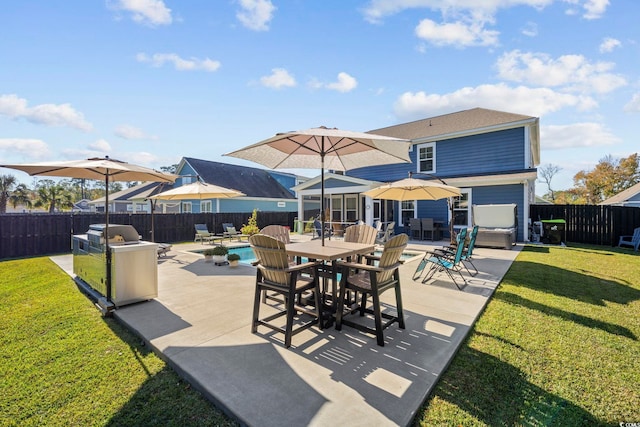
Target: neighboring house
127,200
82,206
490,155
265,190
629,197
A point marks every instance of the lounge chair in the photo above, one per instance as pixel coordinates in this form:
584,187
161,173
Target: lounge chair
443,261
202,233
467,251
633,241
370,280
317,230
274,274
230,232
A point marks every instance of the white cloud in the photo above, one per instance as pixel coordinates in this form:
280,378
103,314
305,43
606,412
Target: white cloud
594,9
147,12
571,72
26,147
530,101
530,29
256,14
633,106
557,137
180,64
278,79
132,132
101,145
608,44
456,34
345,83
44,114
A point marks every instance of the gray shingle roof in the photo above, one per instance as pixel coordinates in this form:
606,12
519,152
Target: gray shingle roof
253,182
453,123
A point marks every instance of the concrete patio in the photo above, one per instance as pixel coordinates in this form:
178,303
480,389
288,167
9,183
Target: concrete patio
200,324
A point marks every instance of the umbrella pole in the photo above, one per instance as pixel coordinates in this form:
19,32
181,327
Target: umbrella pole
322,189
106,235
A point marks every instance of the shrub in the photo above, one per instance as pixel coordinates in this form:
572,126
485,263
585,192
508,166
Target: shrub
252,227
233,257
217,250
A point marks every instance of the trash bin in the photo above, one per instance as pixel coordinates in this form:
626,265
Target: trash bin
553,231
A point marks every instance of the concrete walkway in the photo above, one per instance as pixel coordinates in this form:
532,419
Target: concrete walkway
200,324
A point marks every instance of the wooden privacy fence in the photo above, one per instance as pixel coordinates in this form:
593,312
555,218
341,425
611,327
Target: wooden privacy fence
598,225
32,234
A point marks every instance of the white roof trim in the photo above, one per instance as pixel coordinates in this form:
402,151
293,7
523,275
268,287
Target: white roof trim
481,181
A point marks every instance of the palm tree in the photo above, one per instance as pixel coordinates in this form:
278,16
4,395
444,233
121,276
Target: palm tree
7,183
22,195
53,195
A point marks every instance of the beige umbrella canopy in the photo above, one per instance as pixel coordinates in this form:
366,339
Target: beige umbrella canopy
323,148
416,189
198,190
99,169
413,189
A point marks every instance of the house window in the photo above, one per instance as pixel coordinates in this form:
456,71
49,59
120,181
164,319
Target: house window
407,209
351,208
427,157
336,209
186,207
462,210
206,206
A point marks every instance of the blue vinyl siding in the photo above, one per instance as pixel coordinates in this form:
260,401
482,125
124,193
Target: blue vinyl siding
495,195
287,181
238,205
476,154
436,209
485,153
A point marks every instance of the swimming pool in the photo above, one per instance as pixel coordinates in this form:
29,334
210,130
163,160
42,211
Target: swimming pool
247,256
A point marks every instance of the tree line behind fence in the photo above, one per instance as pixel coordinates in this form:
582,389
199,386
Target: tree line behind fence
41,234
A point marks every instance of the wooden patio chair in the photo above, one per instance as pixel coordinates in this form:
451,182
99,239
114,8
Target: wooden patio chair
275,274
373,280
633,241
387,234
281,233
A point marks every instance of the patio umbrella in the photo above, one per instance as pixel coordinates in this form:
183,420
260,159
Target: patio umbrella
198,190
324,148
97,168
415,189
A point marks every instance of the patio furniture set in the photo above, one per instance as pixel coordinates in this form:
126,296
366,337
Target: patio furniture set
312,288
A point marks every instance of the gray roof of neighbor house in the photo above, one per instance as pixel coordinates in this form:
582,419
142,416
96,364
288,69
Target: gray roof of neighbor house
474,120
253,182
127,193
622,196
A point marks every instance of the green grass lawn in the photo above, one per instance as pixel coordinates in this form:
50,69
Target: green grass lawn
557,345
62,364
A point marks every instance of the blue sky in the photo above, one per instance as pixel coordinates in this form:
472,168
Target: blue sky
151,81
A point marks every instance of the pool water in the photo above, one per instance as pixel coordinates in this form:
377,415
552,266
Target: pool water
247,256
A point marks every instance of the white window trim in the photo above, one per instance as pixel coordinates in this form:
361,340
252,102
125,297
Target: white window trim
186,207
208,204
418,148
469,210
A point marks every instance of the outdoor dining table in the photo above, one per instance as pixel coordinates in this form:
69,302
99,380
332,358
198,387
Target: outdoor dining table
331,251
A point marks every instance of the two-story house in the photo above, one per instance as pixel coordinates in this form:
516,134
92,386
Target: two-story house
490,155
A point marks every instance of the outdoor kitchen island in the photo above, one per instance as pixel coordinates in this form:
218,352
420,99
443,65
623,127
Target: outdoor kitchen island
134,264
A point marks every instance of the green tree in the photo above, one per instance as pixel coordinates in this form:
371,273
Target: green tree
609,177
22,195
7,184
52,195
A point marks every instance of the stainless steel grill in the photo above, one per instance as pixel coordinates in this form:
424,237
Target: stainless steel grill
134,269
